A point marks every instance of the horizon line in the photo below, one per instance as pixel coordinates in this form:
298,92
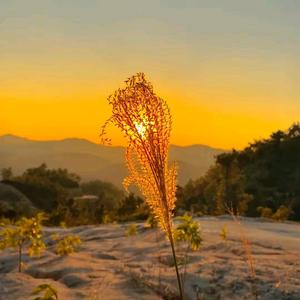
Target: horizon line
99,144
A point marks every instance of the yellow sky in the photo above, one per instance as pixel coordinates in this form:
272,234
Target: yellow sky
227,83
217,118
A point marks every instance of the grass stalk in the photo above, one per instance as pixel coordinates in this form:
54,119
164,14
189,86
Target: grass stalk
176,267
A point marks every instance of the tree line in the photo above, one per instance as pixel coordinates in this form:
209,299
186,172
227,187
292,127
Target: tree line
59,194
261,180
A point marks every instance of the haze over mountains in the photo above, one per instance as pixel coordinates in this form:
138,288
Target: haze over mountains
93,161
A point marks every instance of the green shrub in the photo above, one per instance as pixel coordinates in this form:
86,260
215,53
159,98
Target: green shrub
224,233
282,213
5,222
63,225
265,212
67,245
49,292
131,230
55,237
188,231
151,222
107,219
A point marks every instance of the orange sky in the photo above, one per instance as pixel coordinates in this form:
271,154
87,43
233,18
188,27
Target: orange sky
227,82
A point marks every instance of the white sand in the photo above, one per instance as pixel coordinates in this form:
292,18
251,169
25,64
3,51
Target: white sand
110,265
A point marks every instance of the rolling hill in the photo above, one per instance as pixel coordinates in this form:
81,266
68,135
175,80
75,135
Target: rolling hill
93,161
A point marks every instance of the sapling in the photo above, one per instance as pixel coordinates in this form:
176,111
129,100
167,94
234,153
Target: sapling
224,233
188,231
27,232
131,230
45,292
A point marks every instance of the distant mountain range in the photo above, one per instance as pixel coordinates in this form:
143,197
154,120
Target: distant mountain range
93,161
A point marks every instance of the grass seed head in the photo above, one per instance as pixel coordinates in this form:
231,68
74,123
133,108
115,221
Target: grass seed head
145,121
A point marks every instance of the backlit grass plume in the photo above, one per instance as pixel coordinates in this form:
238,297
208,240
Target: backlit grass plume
145,120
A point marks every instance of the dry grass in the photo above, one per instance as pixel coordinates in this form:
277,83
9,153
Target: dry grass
145,120
247,251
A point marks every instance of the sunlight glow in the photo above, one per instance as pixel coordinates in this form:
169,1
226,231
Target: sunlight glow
141,129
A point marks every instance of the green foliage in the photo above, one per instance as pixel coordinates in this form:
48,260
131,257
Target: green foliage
26,232
259,180
58,193
131,230
14,204
47,291
151,222
132,207
59,176
6,173
62,225
48,189
67,245
95,202
83,211
108,194
107,219
55,237
224,233
282,213
265,212
264,174
4,222
188,231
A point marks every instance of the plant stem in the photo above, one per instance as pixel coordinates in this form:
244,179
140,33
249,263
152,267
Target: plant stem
159,261
20,257
176,265
185,265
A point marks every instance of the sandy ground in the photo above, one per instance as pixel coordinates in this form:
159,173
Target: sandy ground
110,265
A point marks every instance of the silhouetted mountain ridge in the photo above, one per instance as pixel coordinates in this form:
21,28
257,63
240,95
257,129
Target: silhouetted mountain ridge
93,161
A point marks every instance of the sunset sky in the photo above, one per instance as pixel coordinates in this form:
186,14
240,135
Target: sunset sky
230,70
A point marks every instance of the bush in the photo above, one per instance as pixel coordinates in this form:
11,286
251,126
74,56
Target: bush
224,233
14,204
49,292
282,213
5,222
131,230
188,231
67,245
265,212
151,222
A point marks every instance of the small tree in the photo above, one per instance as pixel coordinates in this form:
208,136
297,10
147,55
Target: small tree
189,232
26,232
